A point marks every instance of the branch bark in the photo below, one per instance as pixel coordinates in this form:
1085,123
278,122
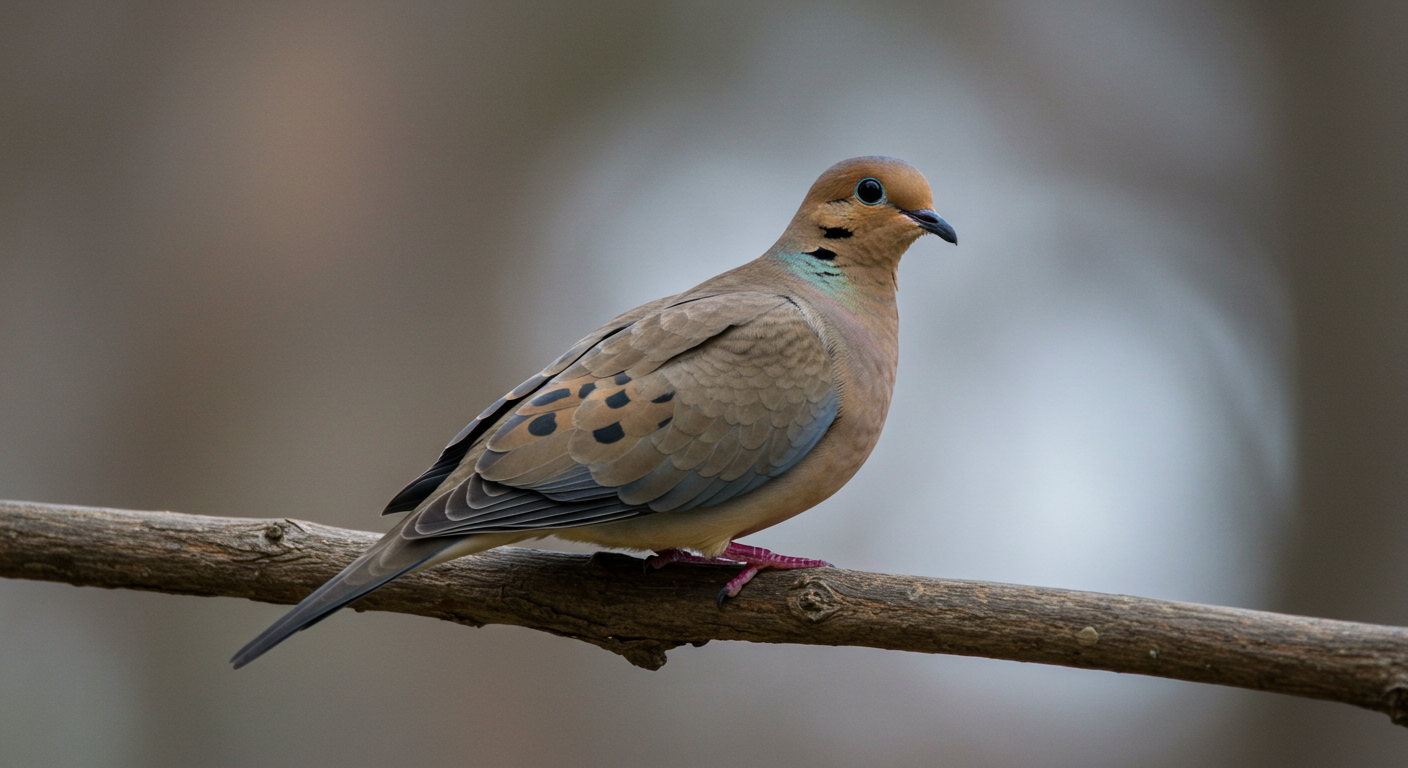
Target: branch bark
607,600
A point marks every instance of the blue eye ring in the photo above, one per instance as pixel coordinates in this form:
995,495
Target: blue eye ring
870,191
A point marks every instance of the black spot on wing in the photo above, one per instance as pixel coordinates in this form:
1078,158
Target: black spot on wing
665,398
548,398
836,233
544,425
619,400
622,379
585,389
609,433
665,422
825,254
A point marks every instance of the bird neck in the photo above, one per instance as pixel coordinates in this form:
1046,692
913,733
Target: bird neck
844,257
847,271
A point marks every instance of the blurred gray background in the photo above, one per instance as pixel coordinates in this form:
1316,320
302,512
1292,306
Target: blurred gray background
264,260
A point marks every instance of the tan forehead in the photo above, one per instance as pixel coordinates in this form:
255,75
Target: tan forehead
905,186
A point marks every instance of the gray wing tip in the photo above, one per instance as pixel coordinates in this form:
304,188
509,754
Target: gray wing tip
338,592
302,616
256,648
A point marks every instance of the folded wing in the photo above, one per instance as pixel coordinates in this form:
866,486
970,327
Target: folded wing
689,406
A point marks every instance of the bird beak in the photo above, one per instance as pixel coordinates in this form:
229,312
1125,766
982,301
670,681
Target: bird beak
930,222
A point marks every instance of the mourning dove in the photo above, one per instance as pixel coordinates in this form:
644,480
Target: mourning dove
687,422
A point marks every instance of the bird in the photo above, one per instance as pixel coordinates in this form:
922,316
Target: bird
688,422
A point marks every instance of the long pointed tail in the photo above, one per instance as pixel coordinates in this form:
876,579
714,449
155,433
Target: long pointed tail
388,559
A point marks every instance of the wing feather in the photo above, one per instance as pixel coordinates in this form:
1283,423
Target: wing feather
688,406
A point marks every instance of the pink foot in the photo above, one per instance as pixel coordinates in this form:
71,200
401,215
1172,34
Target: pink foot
756,558
666,556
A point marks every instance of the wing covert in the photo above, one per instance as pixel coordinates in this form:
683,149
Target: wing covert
690,406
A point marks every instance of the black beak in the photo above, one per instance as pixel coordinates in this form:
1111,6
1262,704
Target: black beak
930,222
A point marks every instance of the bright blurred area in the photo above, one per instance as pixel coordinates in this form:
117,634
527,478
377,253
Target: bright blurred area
264,260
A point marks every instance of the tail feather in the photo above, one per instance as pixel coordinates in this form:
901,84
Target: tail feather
388,559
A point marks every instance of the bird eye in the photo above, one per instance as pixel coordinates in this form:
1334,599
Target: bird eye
869,191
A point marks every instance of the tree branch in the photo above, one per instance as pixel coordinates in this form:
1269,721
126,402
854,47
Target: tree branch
607,600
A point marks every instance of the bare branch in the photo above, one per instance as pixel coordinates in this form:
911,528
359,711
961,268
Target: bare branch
608,601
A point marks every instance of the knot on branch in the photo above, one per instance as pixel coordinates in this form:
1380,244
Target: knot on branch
813,599
276,538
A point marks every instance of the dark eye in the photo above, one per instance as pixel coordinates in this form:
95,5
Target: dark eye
869,191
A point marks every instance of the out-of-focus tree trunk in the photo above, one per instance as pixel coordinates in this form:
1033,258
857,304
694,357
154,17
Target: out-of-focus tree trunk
1341,230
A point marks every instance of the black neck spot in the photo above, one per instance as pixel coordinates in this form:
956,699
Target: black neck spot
825,254
837,233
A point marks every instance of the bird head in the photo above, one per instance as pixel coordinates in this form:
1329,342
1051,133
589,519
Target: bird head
863,214
865,210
